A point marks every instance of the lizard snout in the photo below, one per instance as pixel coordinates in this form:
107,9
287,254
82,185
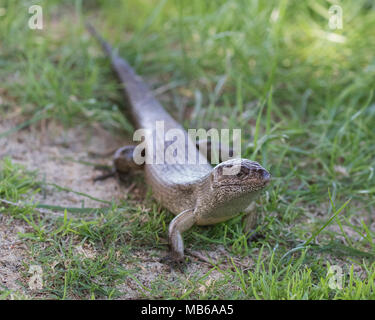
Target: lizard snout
259,173
266,176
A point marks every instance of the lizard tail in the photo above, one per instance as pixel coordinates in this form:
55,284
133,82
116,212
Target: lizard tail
107,48
121,67
134,88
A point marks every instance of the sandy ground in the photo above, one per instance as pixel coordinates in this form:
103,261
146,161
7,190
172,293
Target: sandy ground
12,253
48,149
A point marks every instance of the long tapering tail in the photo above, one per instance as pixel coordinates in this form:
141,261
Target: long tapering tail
121,67
139,97
107,48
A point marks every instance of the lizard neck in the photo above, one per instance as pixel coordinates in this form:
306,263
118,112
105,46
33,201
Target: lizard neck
215,205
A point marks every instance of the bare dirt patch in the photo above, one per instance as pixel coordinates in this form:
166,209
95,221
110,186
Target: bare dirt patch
53,151
12,252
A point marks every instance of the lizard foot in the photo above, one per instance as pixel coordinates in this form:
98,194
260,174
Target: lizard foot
109,174
174,263
253,236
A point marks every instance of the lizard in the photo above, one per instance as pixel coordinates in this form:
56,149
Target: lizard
197,194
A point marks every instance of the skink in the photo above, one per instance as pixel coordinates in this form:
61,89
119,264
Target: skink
198,194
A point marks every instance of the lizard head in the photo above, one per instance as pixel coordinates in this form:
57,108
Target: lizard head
233,184
239,176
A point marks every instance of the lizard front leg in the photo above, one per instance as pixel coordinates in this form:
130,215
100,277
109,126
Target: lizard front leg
182,222
250,221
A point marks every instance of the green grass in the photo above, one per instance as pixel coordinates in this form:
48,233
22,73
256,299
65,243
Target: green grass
302,97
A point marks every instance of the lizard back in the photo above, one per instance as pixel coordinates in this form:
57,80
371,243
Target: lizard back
173,184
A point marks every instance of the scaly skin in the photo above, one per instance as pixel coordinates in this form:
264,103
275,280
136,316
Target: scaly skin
195,193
